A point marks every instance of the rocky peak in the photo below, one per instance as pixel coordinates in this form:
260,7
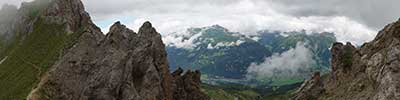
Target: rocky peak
118,68
121,65
121,31
310,89
147,30
187,86
117,25
71,12
120,36
367,73
177,72
219,27
388,32
342,57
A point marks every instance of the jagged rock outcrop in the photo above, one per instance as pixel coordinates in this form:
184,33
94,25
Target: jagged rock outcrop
122,65
186,87
370,72
310,89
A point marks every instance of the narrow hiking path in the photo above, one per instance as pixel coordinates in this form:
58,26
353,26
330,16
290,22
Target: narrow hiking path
35,67
4,59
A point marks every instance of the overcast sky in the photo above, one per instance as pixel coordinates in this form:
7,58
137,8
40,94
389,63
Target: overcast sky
351,20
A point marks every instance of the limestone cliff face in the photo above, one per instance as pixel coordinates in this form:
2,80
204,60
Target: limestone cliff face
122,65
367,73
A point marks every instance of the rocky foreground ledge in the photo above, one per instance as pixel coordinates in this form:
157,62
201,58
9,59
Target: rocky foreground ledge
371,72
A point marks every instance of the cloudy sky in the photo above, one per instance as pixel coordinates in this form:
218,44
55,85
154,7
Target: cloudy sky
351,20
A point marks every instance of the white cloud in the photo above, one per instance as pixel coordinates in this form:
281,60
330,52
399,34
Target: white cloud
225,44
182,41
286,63
13,2
245,16
372,13
248,16
190,39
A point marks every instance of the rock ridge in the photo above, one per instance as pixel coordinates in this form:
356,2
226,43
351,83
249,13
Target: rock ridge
370,72
122,65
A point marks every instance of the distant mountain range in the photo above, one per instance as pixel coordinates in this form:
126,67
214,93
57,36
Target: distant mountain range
222,54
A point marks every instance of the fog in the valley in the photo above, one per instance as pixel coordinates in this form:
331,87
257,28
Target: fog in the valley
8,14
288,63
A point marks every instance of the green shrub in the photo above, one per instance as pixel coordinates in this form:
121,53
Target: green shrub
347,58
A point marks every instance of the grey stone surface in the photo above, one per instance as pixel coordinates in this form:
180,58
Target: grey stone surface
122,65
370,72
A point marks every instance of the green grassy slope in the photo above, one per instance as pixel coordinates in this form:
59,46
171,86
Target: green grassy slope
241,92
30,57
230,92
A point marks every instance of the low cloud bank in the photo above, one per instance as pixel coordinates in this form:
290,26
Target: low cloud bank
288,63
